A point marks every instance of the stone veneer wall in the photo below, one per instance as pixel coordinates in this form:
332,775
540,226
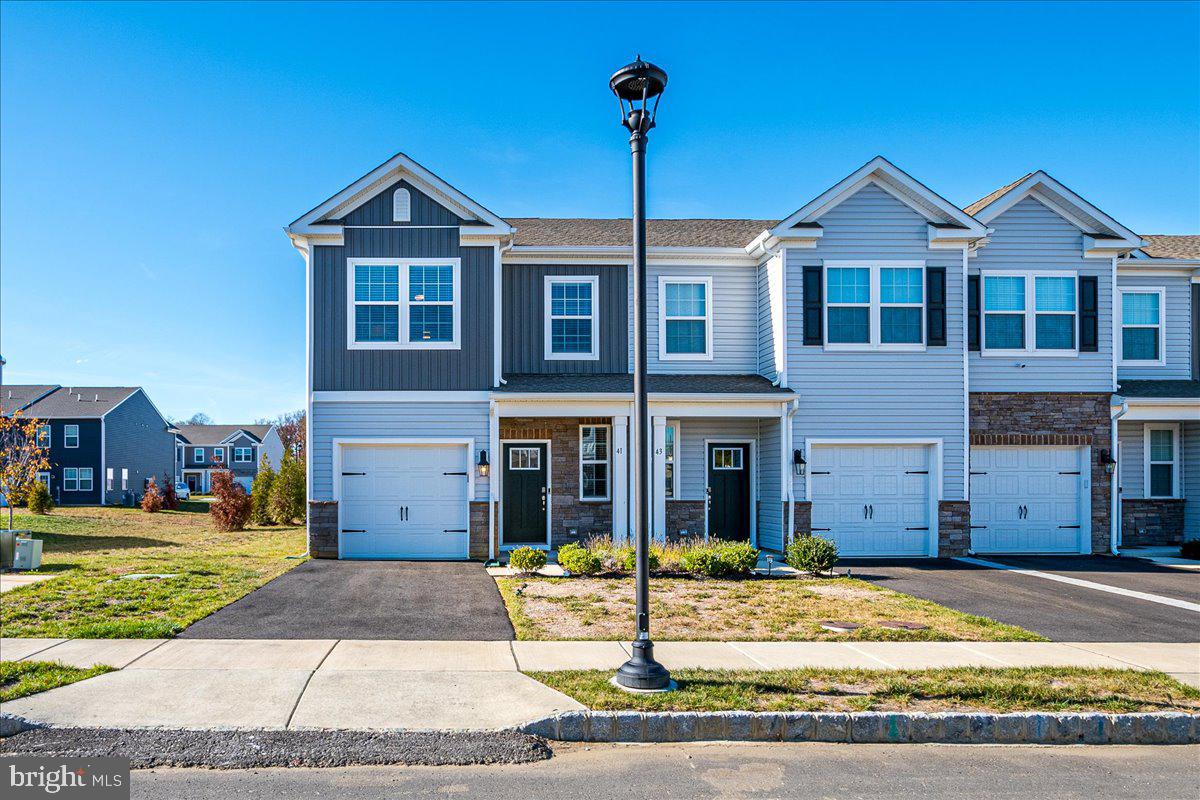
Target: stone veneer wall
477,546
323,528
1152,522
803,524
567,512
1052,418
954,528
685,515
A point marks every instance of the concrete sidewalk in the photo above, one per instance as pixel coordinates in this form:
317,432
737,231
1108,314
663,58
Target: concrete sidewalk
461,685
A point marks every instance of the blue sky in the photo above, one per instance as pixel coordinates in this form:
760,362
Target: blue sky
150,154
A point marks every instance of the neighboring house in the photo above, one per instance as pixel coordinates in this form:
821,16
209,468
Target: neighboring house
199,449
880,367
105,442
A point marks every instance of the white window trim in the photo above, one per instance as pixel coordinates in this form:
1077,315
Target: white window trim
1119,308
548,317
1030,313
198,454
70,484
404,304
91,485
124,479
218,455
66,437
108,479
663,282
249,460
1174,428
401,205
44,429
673,484
875,308
606,461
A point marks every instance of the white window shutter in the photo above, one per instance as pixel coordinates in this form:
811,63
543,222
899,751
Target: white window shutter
401,206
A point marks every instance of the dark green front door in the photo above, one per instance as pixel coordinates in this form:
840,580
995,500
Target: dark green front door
525,494
729,491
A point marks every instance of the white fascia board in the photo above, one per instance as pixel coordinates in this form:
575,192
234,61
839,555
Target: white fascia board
400,397
1158,266
859,178
942,238
1163,409
620,255
768,243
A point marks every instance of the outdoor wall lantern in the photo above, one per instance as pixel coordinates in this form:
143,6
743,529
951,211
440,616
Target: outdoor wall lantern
1108,462
798,462
484,466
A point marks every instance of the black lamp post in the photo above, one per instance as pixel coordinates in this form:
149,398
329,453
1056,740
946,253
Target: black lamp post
638,87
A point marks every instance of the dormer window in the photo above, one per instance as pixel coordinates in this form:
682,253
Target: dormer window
401,206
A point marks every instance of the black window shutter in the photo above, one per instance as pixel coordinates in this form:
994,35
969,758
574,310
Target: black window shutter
972,312
814,303
935,306
1089,314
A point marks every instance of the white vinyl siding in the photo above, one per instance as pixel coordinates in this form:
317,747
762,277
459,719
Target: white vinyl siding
733,309
1191,480
1176,323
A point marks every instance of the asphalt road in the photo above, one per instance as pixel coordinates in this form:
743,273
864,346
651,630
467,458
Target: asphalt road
328,599
1058,611
725,770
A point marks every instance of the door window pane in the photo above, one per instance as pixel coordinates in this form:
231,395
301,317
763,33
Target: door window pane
525,458
727,458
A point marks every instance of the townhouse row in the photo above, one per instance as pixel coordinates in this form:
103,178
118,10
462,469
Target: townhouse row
881,367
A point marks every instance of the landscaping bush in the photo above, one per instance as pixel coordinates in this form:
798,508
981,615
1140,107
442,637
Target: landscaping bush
285,502
260,493
170,498
812,554
626,558
579,560
527,559
38,499
1190,549
720,559
152,500
231,509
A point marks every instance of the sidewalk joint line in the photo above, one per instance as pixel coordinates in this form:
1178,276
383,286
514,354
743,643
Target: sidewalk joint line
1079,646
750,656
44,649
966,646
148,652
300,696
1100,587
513,650
870,656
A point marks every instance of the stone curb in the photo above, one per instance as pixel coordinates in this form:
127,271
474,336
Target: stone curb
869,727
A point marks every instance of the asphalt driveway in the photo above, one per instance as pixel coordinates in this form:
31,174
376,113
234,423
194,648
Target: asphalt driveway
1058,611
327,599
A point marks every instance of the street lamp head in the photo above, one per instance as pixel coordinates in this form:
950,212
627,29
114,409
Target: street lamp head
635,86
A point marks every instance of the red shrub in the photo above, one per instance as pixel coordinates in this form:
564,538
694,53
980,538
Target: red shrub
231,510
152,500
170,498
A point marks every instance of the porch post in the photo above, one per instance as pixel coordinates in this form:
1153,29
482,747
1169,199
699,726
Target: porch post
620,479
658,479
493,495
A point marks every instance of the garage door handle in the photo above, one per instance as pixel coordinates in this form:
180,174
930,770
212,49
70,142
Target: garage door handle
454,530
352,530
978,473
916,472
820,529
978,527
816,472
354,473
1077,472
917,529
1068,526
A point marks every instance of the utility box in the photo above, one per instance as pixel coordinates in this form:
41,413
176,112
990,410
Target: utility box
8,547
28,554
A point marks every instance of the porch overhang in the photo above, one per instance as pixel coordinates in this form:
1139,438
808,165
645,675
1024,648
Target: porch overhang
1161,400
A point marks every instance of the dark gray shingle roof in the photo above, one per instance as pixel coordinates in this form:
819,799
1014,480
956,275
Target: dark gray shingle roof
623,383
15,397
68,402
1161,245
215,434
1160,388
579,232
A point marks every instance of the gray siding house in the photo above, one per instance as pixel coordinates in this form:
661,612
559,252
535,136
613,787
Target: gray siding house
881,367
105,442
200,449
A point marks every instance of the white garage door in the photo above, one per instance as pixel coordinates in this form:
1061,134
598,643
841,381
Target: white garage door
1027,499
403,501
873,500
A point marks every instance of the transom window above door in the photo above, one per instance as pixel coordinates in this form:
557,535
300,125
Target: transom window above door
727,458
1142,326
571,330
875,306
1030,313
685,319
404,305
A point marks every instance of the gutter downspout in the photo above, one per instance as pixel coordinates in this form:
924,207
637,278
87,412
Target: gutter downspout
1119,408
493,479
793,407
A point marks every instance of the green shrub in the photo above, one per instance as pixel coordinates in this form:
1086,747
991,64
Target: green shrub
527,559
38,499
260,493
1190,549
720,559
285,500
579,560
626,558
812,554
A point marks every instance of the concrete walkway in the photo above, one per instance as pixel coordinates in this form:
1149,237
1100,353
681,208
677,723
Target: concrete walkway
467,685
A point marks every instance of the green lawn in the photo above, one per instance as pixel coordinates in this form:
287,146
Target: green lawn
690,609
21,678
962,689
92,547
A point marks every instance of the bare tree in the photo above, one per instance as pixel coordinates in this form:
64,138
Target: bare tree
291,427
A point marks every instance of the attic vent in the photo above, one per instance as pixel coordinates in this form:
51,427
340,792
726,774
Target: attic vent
401,206
97,398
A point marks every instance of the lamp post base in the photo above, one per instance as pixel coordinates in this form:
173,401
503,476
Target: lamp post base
641,672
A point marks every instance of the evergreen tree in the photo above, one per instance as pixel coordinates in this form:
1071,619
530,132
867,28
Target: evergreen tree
286,504
260,492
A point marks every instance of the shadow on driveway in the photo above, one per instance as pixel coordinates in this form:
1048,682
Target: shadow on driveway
1058,611
327,599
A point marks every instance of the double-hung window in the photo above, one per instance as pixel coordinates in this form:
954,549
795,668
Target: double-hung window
243,455
1162,466
571,329
875,306
218,455
198,454
77,479
70,436
43,435
685,318
403,304
1030,313
1142,326
593,462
